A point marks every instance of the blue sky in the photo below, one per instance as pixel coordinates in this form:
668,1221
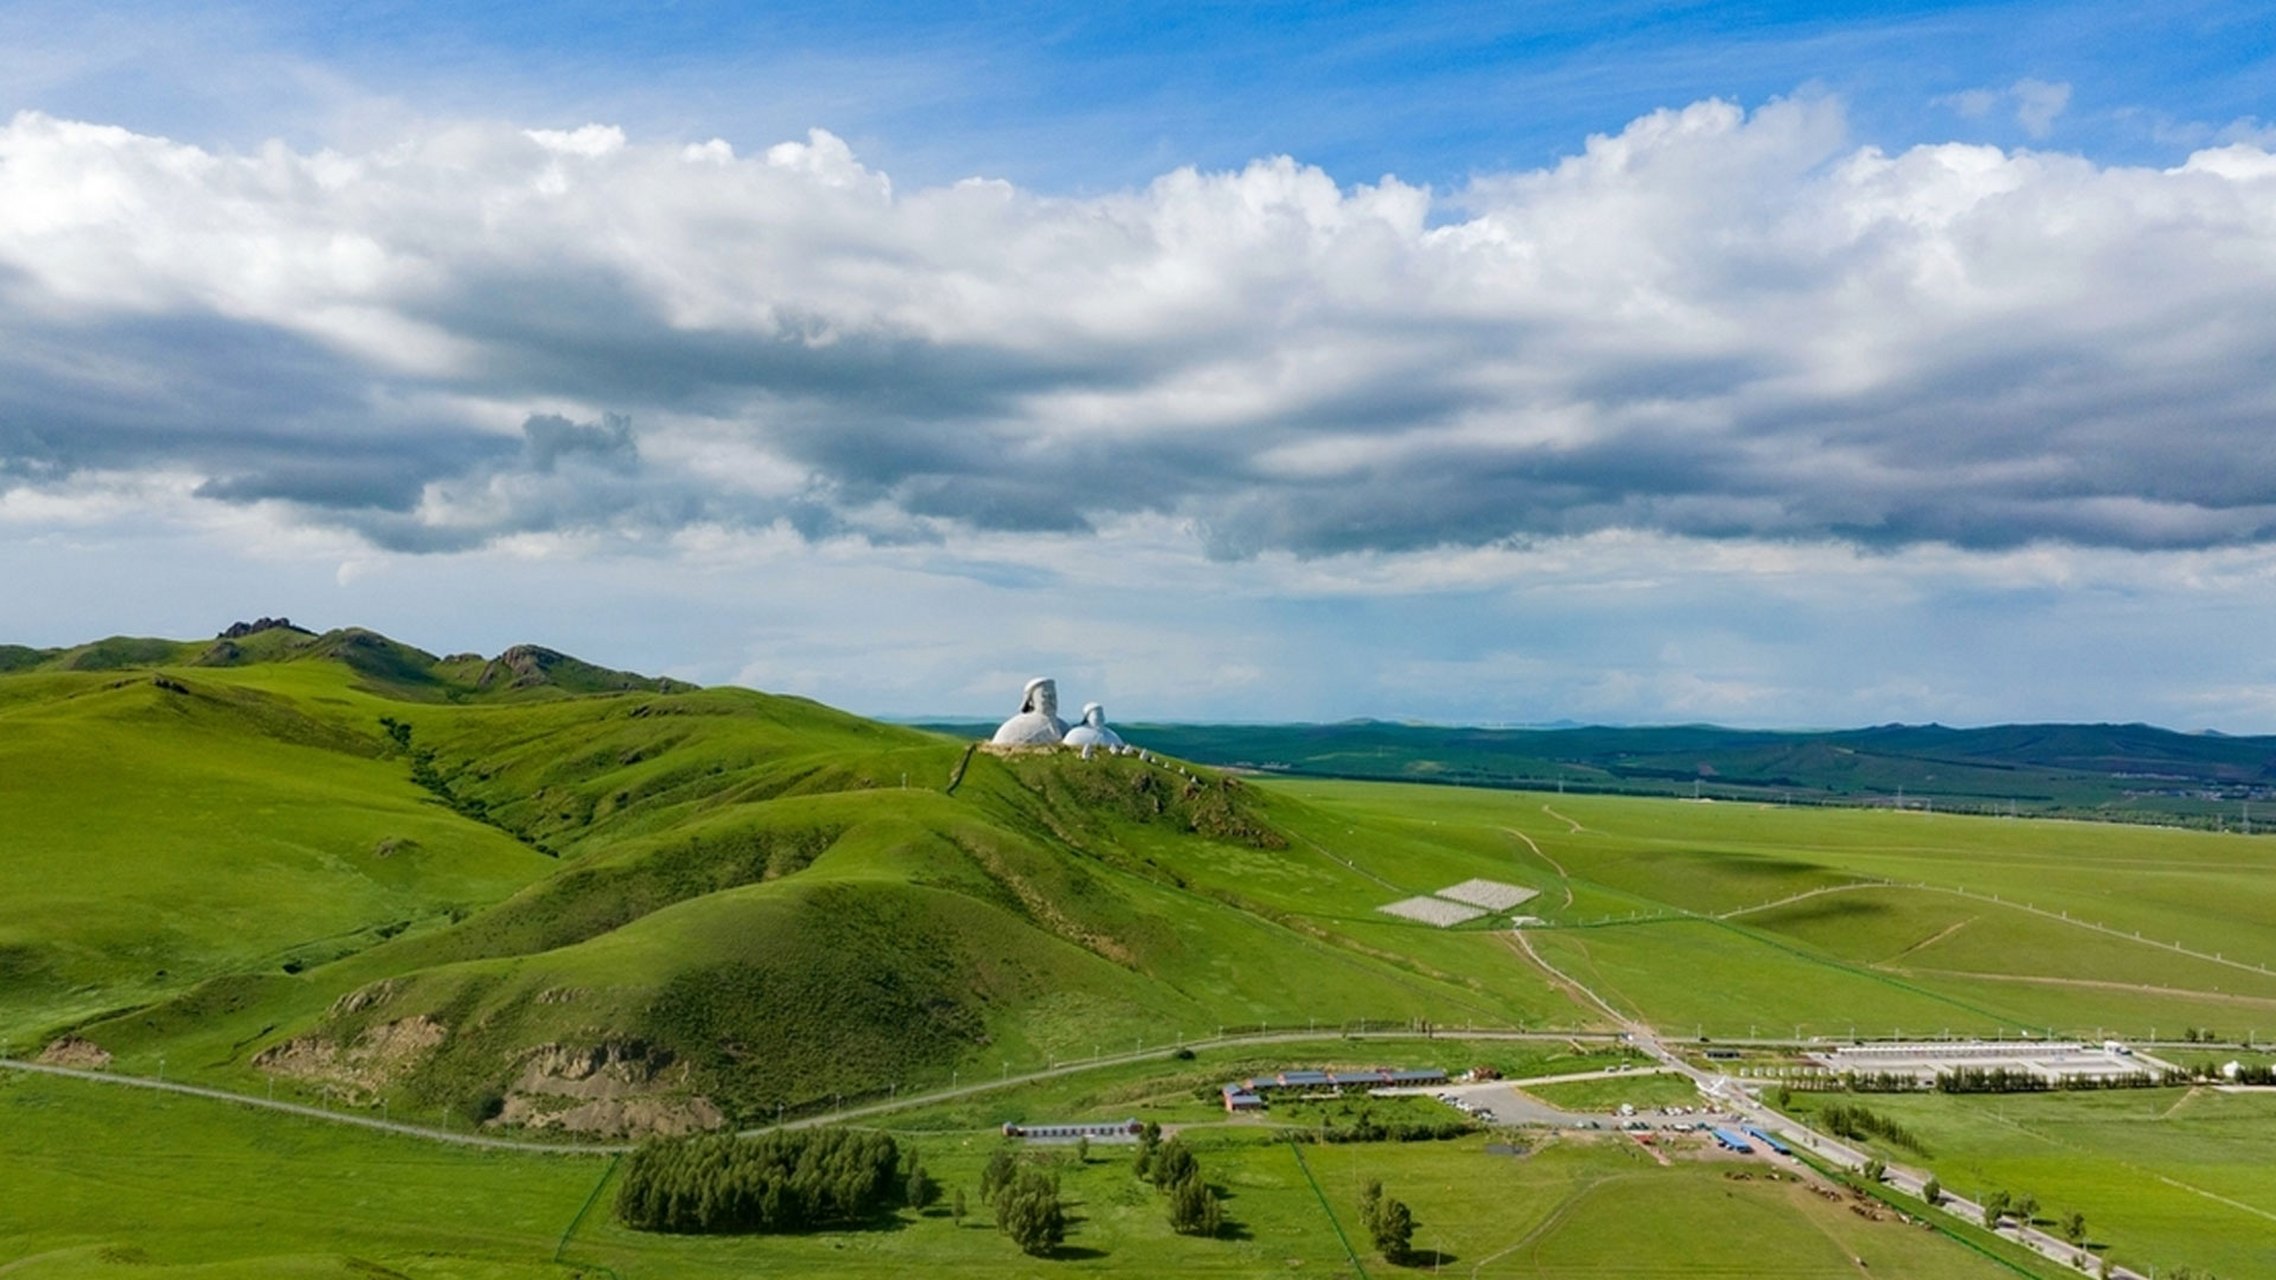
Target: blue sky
1761,364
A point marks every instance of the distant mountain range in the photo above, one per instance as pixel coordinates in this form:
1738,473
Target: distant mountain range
2127,771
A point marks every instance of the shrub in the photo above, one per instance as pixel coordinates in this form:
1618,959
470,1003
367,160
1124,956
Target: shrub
1028,1210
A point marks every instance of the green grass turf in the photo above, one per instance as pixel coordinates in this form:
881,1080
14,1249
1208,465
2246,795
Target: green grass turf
1172,1091
1642,1091
2165,1177
156,838
107,1182
218,860
1997,954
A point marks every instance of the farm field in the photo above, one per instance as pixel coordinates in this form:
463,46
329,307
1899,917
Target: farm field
2165,1177
213,1190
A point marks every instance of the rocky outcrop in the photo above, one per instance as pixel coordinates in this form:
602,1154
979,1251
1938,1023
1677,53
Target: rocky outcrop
71,1051
614,1090
362,1069
240,630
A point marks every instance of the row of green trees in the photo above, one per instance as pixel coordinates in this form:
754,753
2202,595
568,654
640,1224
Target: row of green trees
2011,1080
1861,1124
1390,1224
1171,1167
782,1181
1026,1201
1366,1128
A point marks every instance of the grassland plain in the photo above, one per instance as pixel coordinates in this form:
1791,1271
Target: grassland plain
96,1185
2127,772
535,873
2165,1177
1641,1090
1728,918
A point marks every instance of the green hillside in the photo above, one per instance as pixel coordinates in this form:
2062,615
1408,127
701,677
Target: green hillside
337,865
537,896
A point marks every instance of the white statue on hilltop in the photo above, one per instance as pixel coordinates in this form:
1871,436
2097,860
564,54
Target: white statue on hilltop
1091,730
1038,723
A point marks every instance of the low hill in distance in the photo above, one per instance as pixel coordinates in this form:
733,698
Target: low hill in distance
2128,772
383,663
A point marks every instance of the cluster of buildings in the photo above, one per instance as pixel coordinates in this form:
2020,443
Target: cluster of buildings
1249,1095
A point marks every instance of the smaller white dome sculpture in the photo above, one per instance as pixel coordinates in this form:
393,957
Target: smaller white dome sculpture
1038,723
1091,731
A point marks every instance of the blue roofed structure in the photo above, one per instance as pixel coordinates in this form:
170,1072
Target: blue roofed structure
1767,1140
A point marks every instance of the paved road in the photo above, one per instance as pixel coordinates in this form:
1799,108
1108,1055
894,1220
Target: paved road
1728,1093
837,1116
426,1132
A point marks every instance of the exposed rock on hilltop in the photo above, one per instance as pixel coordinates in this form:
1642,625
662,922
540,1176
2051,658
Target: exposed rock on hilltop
527,665
240,630
386,666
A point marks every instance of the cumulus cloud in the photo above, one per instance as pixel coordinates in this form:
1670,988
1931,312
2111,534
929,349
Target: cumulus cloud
1711,324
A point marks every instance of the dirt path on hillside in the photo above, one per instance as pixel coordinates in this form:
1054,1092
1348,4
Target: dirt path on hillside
1806,894
1577,828
1940,935
1516,941
1564,877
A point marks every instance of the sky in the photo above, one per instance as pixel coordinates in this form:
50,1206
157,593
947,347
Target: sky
1768,365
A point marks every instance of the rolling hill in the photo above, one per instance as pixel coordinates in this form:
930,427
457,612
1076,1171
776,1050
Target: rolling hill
532,890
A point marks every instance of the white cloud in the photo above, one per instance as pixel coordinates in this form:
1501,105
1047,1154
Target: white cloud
2038,103
1710,325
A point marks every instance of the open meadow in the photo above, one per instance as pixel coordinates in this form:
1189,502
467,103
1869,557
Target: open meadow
594,906
2165,1177
110,1183
1738,920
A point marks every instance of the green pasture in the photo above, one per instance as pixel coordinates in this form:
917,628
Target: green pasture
1174,1091
325,838
154,839
107,1182
1642,1090
2165,1177
1727,919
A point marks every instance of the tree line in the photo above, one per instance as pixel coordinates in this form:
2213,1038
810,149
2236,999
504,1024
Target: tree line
781,1181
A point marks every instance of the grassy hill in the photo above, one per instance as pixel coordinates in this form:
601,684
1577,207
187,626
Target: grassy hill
528,891
531,887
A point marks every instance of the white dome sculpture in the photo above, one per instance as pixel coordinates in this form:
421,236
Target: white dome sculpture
1091,730
1038,723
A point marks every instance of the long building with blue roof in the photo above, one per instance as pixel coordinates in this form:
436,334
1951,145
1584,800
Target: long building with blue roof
1765,1138
1249,1094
